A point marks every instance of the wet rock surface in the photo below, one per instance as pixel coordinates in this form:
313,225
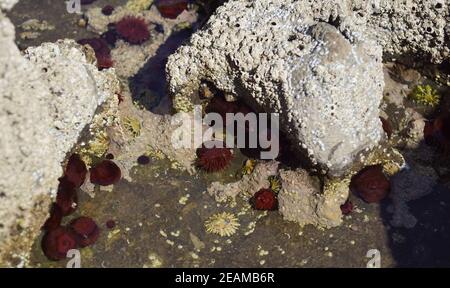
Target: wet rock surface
156,215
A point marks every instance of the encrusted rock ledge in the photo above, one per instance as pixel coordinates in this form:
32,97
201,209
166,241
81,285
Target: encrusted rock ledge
47,97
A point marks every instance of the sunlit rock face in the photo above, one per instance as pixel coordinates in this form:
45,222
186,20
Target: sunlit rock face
48,95
317,63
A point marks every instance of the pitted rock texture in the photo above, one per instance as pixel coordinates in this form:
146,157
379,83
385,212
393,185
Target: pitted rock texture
317,63
301,200
7,4
46,99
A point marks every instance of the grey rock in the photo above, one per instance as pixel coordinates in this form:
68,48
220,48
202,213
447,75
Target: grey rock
47,97
301,200
317,63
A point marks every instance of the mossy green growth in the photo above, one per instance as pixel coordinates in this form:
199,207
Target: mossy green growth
425,95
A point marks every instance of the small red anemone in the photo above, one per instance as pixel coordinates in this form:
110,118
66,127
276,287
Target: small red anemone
85,230
105,173
265,199
134,30
347,207
371,184
171,8
214,159
75,170
57,242
66,197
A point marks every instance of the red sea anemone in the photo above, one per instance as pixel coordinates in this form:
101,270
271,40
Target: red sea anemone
57,242
105,173
437,133
85,230
75,170
66,197
214,159
55,218
102,51
347,207
171,8
371,184
134,30
265,199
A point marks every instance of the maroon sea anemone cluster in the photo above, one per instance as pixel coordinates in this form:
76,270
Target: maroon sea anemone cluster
102,51
437,133
214,159
132,29
371,184
265,199
171,8
105,173
82,231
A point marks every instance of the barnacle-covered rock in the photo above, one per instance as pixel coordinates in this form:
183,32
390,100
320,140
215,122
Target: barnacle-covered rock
317,63
301,199
48,96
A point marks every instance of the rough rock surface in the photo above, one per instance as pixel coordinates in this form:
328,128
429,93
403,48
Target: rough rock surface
42,114
248,185
302,201
7,4
129,59
317,63
410,184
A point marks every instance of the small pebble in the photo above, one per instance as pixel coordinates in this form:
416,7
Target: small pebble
110,224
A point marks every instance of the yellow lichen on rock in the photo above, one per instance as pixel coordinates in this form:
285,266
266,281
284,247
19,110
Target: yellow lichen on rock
183,104
138,5
132,125
95,148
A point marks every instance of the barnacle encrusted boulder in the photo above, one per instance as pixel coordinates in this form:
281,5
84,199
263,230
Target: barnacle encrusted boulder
47,97
317,63
301,199
77,86
326,88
